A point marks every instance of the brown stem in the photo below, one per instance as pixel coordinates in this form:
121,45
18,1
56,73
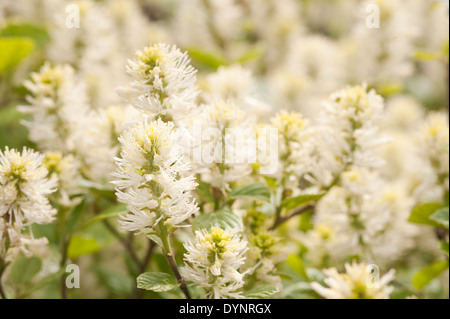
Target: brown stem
296,212
63,287
167,250
146,260
173,265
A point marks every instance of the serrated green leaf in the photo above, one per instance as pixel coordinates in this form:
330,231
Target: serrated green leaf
80,246
223,219
38,34
24,269
13,50
296,263
441,217
427,274
421,214
157,281
206,59
261,292
301,200
255,191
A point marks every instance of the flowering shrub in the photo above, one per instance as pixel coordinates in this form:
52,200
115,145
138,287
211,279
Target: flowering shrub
249,149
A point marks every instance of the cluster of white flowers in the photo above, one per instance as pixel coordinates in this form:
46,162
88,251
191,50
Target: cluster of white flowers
237,85
213,260
58,105
182,147
294,145
264,253
148,178
355,283
223,160
433,142
24,191
348,133
164,85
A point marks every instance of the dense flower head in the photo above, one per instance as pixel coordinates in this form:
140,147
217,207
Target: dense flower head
24,188
148,177
213,260
355,283
24,191
58,105
434,144
225,126
294,146
164,83
67,170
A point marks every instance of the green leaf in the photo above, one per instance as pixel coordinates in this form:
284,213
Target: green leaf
155,238
295,202
80,246
12,133
206,59
13,50
421,214
255,191
43,283
251,55
261,292
104,190
36,33
204,190
117,282
110,212
223,219
75,216
390,88
296,263
157,281
24,269
427,274
272,182
444,247
441,217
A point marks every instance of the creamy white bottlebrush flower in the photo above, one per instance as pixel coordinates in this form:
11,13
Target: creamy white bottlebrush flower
237,85
355,283
148,178
364,216
213,260
294,146
164,83
434,148
58,105
66,169
348,133
264,253
24,188
227,144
